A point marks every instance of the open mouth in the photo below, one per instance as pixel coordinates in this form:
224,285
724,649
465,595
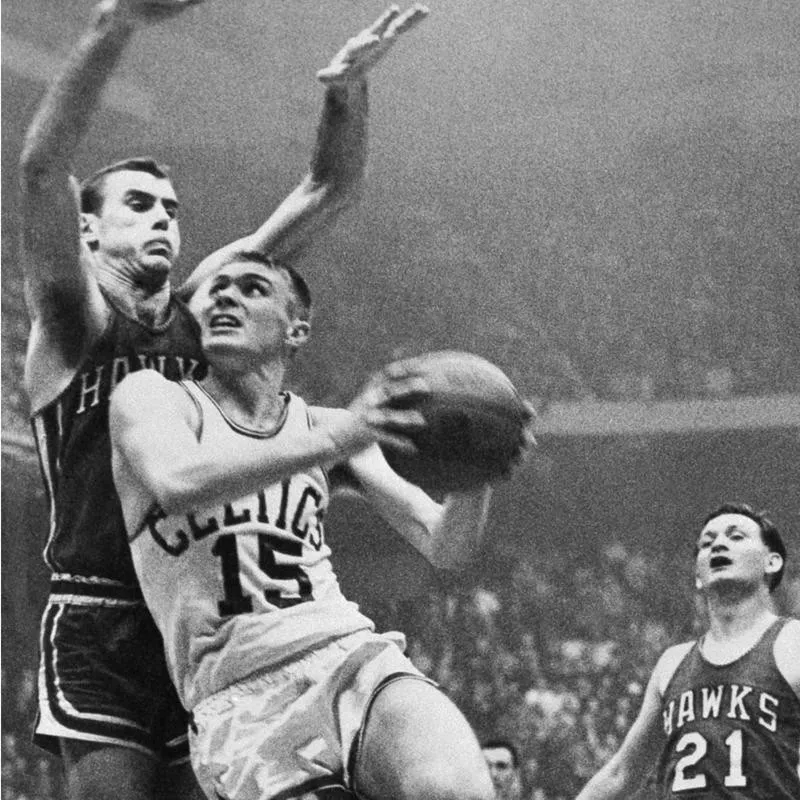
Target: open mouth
717,562
224,321
159,248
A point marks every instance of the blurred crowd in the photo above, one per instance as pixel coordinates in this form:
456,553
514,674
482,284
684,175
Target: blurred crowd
553,655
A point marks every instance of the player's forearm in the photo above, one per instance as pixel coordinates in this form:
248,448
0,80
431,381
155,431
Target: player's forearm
456,538
340,153
611,783
64,114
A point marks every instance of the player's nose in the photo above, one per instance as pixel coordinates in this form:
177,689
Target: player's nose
161,217
224,296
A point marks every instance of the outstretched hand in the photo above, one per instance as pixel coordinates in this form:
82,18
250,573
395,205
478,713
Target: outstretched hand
366,49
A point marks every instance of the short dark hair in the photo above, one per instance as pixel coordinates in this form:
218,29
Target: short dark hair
297,283
770,534
92,187
491,744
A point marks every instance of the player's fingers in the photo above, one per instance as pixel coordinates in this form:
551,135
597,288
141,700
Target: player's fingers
530,411
350,59
410,19
381,24
399,443
360,49
403,368
395,419
406,388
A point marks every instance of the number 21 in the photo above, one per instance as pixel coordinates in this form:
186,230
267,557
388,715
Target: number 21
697,746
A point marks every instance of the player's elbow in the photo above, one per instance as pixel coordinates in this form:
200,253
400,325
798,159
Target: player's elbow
177,493
336,190
449,559
37,167
617,779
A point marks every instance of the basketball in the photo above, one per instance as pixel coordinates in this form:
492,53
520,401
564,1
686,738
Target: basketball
475,420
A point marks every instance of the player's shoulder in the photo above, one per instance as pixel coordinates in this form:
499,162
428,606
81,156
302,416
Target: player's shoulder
146,387
790,632
787,652
669,662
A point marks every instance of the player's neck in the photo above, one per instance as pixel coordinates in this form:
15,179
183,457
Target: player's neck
252,399
740,618
147,302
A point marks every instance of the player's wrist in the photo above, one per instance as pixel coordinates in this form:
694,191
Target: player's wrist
347,437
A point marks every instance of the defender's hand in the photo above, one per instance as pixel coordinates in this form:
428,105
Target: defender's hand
367,48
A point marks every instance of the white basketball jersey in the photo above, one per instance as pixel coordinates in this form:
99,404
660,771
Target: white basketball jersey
239,587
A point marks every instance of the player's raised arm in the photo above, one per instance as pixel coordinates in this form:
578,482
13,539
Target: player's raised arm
62,295
340,154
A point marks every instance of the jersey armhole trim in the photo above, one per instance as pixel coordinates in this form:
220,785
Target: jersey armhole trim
197,405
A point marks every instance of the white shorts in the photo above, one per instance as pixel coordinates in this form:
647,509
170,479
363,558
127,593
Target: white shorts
294,729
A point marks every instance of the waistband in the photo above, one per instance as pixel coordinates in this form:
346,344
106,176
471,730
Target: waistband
81,589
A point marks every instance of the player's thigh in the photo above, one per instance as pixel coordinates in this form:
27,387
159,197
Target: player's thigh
416,744
178,782
96,771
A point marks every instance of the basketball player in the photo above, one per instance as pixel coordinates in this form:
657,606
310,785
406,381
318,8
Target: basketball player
721,716
224,484
97,262
502,759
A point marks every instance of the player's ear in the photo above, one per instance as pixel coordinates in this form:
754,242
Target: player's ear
774,563
89,230
298,333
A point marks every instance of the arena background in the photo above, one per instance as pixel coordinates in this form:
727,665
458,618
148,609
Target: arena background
601,197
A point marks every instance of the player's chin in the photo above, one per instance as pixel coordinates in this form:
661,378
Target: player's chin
157,267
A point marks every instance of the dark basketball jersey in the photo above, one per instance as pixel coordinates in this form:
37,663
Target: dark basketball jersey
87,533
733,731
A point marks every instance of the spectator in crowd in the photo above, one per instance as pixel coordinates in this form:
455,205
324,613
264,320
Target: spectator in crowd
502,758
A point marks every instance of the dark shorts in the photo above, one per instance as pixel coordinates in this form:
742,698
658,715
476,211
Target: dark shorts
103,678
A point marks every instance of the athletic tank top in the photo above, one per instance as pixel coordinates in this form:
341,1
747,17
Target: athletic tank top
238,587
733,731
87,546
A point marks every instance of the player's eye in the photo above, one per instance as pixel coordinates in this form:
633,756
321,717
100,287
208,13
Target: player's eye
255,288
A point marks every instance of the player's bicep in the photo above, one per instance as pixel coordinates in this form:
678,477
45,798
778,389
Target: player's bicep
787,654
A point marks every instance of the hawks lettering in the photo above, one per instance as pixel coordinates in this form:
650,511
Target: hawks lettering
97,383
729,700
